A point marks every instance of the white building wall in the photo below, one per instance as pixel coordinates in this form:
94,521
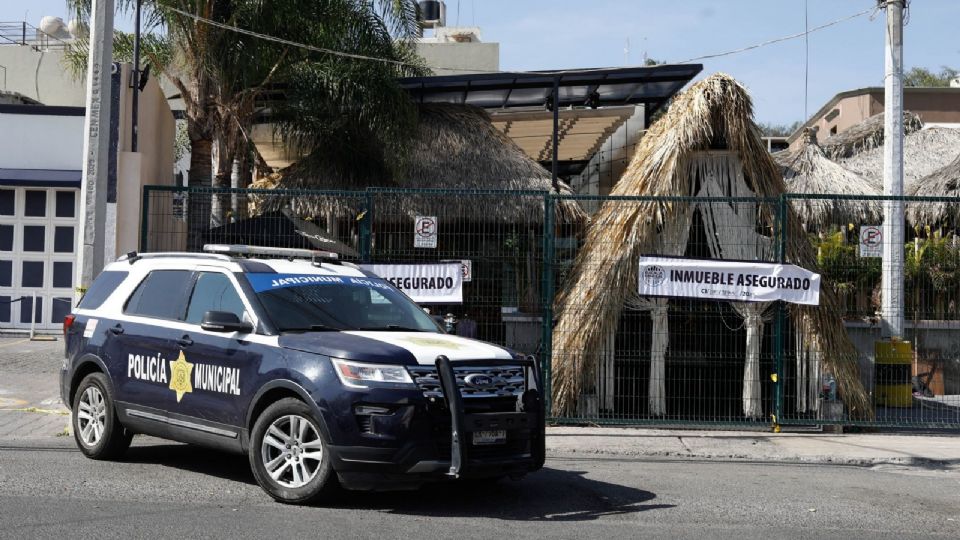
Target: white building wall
461,57
40,75
34,141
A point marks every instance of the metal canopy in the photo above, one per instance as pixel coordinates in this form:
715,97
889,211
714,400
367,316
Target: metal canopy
555,90
613,86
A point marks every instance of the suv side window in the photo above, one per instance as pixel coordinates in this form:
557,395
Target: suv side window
160,295
213,292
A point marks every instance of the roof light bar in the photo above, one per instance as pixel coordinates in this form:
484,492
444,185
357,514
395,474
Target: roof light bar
244,250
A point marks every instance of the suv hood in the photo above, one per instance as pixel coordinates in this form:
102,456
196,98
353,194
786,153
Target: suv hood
393,347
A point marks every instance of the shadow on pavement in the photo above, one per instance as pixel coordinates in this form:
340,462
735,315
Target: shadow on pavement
547,495
193,459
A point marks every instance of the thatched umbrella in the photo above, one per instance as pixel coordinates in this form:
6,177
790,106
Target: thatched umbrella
865,136
715,112
861,137
454,147
924,152
944,182
810,172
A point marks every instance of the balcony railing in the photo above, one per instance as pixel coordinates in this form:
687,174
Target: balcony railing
26,35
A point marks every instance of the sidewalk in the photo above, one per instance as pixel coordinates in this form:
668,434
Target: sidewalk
851,449
30,405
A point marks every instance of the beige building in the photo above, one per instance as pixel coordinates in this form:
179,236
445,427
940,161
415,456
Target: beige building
457,50
935,106
41,156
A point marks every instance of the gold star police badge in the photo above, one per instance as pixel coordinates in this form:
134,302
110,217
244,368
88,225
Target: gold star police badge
180,371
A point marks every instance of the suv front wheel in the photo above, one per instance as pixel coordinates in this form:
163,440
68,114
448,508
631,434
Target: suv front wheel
288,454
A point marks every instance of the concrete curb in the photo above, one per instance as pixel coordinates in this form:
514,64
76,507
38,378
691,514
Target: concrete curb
927,451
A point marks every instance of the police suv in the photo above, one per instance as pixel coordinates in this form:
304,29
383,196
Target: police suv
322,373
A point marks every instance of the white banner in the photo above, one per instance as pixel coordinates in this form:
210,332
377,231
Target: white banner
436,283
728,280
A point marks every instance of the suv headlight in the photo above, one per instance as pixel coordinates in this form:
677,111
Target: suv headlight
361,374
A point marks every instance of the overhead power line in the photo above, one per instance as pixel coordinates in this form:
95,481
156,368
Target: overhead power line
781,39
402,63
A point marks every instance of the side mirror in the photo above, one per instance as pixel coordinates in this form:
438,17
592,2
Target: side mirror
224,321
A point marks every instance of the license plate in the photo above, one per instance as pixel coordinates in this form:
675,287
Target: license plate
490,437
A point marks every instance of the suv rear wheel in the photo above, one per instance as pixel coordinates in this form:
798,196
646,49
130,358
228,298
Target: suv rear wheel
288,454
96,429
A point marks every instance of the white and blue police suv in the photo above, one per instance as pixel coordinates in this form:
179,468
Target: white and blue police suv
320,372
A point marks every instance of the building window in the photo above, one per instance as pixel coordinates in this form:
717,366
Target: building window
833,130
63,240
7,202
6,273
33,237
26,306
66,204
35,204
6,237
60,308
32,275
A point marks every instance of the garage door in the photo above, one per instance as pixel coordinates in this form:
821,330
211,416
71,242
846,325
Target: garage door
38,245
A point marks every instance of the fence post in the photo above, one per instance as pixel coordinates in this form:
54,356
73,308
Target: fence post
546,339
144,218
366,230
780,326
33,316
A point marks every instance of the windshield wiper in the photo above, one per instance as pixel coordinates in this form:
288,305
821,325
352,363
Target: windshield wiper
393,328
311,328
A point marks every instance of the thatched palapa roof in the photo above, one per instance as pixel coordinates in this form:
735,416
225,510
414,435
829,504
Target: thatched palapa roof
454,147
924,152
714,113
861,137
866,135
812,172
944,182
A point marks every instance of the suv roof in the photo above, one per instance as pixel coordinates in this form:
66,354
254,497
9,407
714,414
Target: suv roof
148,261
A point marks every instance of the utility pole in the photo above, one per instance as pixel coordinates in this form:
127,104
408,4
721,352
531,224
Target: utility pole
893,237
135,76
96,130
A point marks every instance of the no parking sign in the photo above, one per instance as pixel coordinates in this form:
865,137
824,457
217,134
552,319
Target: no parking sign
871,241
425,232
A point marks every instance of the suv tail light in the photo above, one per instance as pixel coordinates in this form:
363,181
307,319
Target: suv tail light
68,322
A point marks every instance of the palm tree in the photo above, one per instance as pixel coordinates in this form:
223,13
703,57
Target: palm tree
227,78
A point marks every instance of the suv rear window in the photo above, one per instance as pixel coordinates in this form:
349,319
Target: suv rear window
160,295
101,288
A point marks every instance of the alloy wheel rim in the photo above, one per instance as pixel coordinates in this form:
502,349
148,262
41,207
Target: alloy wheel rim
91,416
291,451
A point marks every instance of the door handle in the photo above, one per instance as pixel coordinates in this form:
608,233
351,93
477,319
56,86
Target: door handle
116,330
185,341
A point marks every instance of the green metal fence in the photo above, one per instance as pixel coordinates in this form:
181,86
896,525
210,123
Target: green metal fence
676,361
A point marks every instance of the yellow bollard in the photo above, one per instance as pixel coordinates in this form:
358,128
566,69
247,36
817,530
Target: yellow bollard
894,387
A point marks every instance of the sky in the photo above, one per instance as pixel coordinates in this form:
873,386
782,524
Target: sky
558,34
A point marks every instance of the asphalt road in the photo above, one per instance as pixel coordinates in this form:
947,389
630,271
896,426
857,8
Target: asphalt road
179,491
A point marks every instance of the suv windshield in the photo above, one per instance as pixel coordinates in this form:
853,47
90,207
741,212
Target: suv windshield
304,302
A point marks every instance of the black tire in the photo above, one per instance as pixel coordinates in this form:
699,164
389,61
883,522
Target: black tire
323,483
114,439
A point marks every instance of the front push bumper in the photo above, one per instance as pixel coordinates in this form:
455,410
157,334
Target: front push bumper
451,454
